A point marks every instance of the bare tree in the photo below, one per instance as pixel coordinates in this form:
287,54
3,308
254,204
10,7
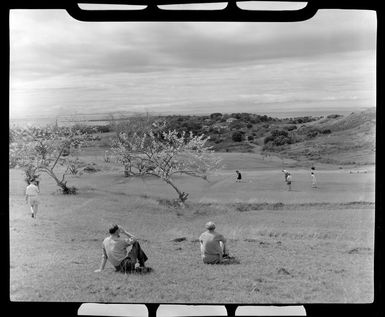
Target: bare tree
46,149
164,154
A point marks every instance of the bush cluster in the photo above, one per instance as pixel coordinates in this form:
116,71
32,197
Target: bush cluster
312,133
237,136
299,120
278,138
333,116
290,127
90,129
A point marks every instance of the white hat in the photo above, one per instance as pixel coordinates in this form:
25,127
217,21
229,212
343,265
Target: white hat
210,225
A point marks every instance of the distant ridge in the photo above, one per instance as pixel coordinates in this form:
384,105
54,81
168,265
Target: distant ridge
354,120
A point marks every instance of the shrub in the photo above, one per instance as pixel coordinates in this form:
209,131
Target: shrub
312,133
103,128
326,131
278,138
215,115
237,136
236,125
276,133
254,120
268,139
298,120
249,126
333,116
265,118
290,127
85,129
281,140
215,139
250,138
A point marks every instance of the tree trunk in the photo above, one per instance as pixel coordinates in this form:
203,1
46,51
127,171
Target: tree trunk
127,170
65,189
182,195
63,185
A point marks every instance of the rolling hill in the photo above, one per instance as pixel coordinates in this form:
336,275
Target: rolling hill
351,140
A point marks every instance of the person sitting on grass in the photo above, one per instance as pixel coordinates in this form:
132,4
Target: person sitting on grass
213,246
115,251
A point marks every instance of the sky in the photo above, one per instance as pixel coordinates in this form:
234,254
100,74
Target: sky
60,66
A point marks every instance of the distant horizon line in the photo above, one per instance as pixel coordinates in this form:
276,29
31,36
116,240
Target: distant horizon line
164,113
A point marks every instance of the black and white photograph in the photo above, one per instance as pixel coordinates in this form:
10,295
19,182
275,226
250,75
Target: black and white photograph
192,162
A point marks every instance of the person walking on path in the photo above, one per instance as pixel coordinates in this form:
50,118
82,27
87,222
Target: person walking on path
32,197
115,251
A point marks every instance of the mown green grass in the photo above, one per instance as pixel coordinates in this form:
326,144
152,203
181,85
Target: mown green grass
293,247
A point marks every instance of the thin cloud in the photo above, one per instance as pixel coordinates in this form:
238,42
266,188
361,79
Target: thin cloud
58,61
69,45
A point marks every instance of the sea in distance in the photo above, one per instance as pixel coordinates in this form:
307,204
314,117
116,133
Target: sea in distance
106,118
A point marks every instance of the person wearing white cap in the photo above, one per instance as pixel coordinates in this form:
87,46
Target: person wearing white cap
213,245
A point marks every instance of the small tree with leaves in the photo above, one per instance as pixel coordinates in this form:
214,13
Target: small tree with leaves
50,150
164,154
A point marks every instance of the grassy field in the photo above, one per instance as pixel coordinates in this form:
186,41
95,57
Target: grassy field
305,246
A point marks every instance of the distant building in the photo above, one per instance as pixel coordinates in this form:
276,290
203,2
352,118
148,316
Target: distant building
219,127
205,128
230,120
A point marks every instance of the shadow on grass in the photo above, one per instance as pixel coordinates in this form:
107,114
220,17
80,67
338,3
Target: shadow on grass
231,260
137,270
227,261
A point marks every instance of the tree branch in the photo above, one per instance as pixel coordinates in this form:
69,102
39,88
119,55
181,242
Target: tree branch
57,159
190,173
65,173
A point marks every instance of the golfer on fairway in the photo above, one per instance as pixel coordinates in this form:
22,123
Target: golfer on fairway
239,176
213,245
31,197
285,174
313,180
288,181
115,250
